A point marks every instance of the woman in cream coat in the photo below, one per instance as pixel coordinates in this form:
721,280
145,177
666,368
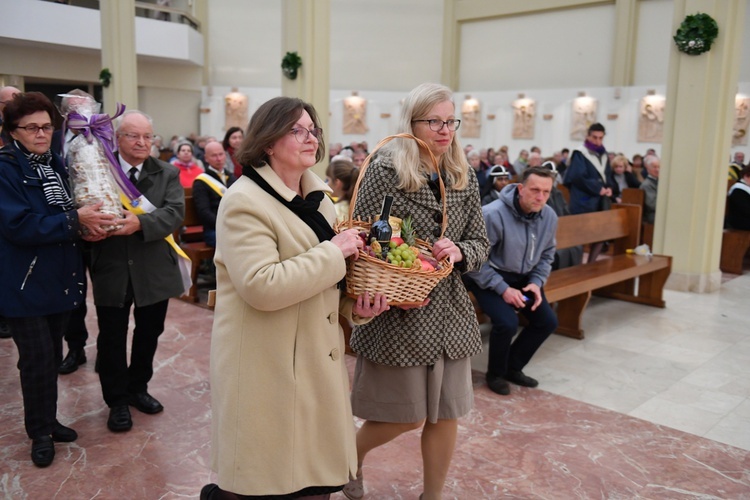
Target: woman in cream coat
281,417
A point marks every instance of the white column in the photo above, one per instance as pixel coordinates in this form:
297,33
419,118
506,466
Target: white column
695,151
305,30
118,53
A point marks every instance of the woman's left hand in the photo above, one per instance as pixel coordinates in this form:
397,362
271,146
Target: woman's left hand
446,248
364,309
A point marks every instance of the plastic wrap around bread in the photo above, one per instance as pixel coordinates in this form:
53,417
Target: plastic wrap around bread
88,165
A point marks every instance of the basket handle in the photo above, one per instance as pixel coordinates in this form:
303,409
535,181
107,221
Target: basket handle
433,161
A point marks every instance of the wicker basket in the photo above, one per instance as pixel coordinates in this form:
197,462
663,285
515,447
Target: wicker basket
401,286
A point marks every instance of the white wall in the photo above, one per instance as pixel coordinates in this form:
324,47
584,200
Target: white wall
244,38
384,44
563,48
653,42
174,111
390,45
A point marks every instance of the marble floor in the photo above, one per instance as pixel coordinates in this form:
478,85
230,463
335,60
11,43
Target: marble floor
653,403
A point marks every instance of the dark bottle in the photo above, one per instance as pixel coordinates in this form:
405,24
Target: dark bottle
381,228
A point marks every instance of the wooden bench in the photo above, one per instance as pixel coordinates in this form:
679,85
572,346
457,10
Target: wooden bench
735,244
196,250
612,276
636,196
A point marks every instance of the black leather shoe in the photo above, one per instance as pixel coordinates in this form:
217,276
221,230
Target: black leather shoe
498,385
146,403
119,419
519,378
63,434
42,451
71,362
207,492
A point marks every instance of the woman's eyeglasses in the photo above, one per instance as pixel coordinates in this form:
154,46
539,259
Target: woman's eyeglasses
302,134
437,125
34,129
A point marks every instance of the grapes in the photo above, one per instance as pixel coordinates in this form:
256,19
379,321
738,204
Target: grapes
401,256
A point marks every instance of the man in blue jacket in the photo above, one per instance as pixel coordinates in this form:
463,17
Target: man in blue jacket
521,228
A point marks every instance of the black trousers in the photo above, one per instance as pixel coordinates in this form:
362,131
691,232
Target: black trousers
77,334
119,379
504,352
39,343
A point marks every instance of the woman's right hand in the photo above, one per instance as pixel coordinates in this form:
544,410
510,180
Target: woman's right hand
92,219
348,242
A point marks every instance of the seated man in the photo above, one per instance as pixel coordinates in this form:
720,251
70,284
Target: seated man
521,228
650,185
209,188
738,204
498,177
735,168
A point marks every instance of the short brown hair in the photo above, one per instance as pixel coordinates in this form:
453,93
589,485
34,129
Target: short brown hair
272,120
540,171
23,104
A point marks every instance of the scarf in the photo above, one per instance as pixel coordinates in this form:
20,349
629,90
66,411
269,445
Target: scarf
185,166
306,209
599,150
56,191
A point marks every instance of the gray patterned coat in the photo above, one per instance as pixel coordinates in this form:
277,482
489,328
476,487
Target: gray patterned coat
448,323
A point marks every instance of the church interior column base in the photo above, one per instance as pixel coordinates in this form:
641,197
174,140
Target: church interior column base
697,283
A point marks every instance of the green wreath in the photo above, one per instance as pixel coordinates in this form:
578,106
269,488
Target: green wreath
696,34
290,64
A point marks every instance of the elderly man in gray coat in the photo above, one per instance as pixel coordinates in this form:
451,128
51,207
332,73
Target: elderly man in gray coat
136,265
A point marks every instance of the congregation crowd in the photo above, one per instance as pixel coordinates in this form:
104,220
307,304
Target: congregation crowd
278,380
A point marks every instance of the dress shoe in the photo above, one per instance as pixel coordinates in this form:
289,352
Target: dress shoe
146,403
63,434
207,492
519,378
42,451
119,419
498,385
71,362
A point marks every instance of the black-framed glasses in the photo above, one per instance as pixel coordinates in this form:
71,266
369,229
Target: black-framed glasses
437,125
34,129
302,134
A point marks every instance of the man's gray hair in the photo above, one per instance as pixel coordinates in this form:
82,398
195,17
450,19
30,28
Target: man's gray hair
119,119
648,160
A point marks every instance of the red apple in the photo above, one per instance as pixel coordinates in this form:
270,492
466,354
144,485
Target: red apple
397,240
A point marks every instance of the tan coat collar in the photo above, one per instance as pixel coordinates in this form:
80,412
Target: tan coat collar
310,182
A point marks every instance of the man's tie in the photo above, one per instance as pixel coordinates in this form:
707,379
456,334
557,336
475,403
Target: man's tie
132,175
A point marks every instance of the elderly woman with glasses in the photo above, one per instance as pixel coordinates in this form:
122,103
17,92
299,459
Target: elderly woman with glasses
190,167
281,418
43,274
413,365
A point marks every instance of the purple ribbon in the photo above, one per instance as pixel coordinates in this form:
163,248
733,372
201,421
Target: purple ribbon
99,127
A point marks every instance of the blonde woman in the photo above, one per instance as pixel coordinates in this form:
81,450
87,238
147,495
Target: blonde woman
413,367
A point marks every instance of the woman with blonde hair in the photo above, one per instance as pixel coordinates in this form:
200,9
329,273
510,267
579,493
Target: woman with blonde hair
622,176
413,367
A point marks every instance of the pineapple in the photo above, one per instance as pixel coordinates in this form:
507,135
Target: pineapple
407,231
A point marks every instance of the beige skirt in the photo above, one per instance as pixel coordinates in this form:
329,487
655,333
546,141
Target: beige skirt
396,394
